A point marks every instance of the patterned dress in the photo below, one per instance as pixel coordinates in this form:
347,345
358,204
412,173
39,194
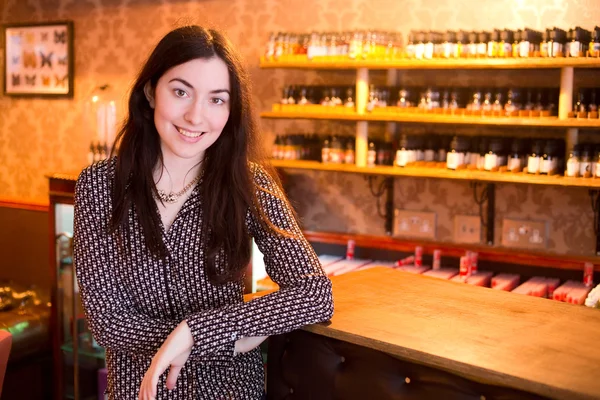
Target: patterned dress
133,301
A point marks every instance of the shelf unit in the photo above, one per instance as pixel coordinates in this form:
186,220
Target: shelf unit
442,173
542,122
362,118
344,63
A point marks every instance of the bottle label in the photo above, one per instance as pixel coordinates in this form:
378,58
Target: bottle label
481,49
557,49
545,166
472,49
371,157
428,52
419,155
584,167
325,155
491,49
419,51
572,167
429,155
507,49
473,159
544,49
448,50
514,163
349,157
533,165
490,162
574,49
454,160
401,158
441,155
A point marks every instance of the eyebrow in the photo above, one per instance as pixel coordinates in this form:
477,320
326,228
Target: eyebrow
186,83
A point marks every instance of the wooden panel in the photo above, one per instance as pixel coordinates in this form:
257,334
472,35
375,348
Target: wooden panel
486,253
302,62
532,344
548,122
442,173
24,244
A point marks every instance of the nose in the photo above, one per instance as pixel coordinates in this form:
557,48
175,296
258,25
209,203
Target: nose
194,114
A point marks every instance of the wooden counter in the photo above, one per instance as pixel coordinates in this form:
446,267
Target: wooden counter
535,345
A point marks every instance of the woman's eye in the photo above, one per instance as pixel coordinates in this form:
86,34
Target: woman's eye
180,93
217,100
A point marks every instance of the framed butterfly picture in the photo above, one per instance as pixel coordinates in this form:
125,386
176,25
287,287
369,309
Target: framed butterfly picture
39,59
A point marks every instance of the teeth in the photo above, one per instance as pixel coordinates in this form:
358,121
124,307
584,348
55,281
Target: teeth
189,134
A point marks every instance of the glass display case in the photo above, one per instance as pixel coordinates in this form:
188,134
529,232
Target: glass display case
78,363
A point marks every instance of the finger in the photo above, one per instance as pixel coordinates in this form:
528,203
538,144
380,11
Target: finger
172,377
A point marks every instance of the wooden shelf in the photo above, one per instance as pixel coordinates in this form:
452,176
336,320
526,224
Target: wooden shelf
441,173
548,122
339,63
486,253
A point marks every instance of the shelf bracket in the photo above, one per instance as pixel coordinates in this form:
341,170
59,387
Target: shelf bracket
595,199
487,197
386,187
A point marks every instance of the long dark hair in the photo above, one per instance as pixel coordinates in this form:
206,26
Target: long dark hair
227,189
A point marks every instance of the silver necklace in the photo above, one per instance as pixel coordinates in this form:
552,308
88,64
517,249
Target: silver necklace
173,197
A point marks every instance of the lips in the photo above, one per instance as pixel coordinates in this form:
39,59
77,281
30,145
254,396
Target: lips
189,134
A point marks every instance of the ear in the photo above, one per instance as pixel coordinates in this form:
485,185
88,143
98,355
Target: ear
149,92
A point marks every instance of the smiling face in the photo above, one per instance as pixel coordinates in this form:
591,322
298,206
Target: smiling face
191,104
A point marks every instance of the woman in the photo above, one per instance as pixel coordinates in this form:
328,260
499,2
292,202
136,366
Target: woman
162,234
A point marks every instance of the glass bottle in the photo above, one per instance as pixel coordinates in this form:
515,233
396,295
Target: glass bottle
326,151
460,49
428,46
546,44
448,46
512,102
495,156
557,45
516,159
403,100
505,46
549,161
410,45
402,154
349,101
573,163
533,161
585,161
482,44
456,156
472,47
516,44
579,106
497,105
336,154
493,44
594,48
420,45
371,154
349,154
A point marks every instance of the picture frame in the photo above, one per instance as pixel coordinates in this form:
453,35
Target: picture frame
39,59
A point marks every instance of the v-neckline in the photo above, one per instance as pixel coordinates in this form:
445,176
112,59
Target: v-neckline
186,204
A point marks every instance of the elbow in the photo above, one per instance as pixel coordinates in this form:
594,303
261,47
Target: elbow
322,300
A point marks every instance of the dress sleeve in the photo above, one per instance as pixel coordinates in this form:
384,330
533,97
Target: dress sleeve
304,296
110,312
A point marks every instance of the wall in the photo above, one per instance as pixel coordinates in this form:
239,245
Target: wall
112,38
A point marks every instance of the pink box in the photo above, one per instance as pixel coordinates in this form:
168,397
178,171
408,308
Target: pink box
479,278
343,266
413,269
505,282
442,273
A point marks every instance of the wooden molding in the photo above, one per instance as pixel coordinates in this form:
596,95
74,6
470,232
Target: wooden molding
495,254
23,205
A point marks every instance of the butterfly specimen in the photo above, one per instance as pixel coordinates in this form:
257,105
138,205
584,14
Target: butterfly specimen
62,60
30,80
60,37
29,38
29,59
46,59
46,80
44,36
60,81
16,79
16,60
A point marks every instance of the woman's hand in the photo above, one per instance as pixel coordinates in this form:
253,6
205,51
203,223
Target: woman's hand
173,353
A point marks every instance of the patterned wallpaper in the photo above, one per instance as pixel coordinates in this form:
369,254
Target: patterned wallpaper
112,38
